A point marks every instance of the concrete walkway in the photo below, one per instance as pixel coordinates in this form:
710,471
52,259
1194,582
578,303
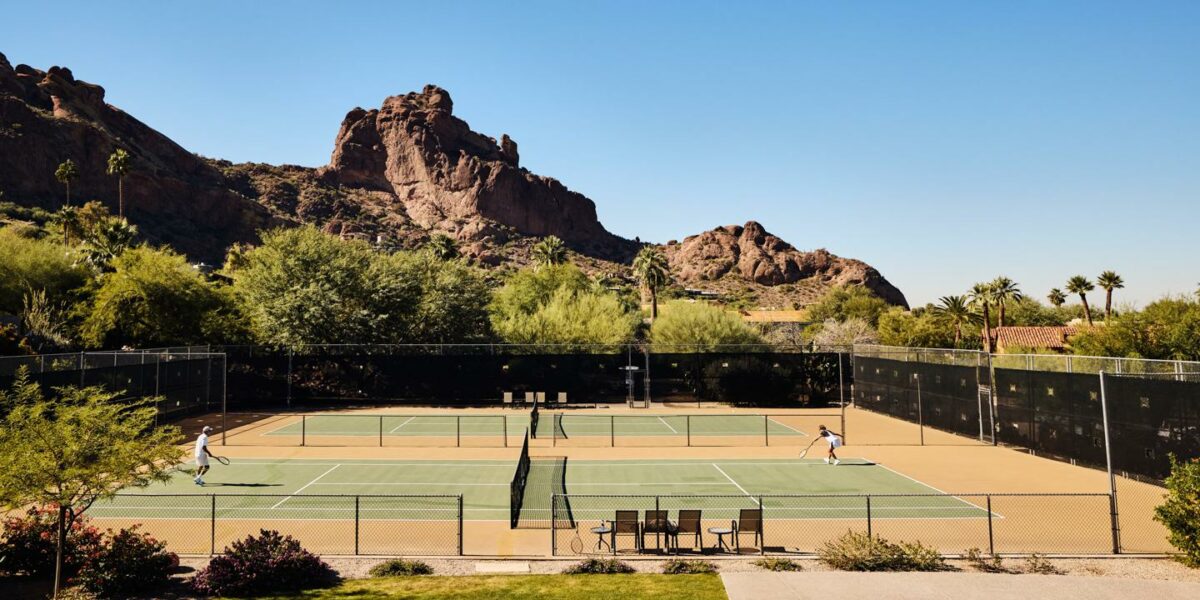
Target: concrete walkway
948,586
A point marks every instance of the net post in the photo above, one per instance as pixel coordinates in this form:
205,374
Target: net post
689,430
458,431
868,516
212,527
303,430
612,431
460,525
356,521
991,532
380,438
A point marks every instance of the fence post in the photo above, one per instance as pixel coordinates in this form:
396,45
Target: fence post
689,430
553,524
762,525
842,396
380,431
356,521
991,533
766,431
504,427
612,431
460,525
868,516
303,430
1112,479
458,431
920,409
212,528
289,378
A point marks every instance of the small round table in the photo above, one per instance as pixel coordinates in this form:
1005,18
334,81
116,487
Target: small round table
721,532
601,531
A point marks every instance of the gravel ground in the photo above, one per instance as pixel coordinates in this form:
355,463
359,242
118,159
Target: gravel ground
1126,568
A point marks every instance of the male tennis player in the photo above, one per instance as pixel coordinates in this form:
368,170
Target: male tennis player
202,455
835,442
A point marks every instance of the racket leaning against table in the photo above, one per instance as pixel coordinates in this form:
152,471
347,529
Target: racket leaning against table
577,542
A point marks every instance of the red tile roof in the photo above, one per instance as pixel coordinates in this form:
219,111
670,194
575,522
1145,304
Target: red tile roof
1048,337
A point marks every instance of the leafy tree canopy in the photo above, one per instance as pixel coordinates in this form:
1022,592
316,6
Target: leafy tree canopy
572,317
33,264
1166,329
697,326
924,329
841,303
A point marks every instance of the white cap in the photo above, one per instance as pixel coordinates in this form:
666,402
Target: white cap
206,429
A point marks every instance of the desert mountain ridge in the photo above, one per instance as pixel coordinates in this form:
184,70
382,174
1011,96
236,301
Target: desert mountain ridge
397,175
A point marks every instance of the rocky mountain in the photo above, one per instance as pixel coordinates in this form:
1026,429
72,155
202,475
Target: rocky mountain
397,174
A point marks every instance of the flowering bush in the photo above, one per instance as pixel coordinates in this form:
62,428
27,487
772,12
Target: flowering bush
128,562
30,543
268,563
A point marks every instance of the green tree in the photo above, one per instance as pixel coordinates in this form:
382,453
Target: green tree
1004,291
1167,329
67,220
442,246
1180,510
1057,297
956,310
65,174
687,326
528,289
916,328
302,286
847,302
33,264
576,319
1081,285
107,239
155,298
549,251
982,297
652,271
454,296
77,447
43,323
119,165
846,333
1109,281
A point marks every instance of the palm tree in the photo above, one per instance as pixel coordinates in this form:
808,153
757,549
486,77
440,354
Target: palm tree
981,297
956,310
651,269
1109,281
119,164
107,241
1057,297
65,174
1081,285
442,246
1005,291
549,251
68,219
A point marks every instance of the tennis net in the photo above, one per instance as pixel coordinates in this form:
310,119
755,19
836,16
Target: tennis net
520,479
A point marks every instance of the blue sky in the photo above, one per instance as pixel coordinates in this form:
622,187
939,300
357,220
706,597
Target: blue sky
942,142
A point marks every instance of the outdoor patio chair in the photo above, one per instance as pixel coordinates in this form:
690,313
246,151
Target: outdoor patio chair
658,525
562,399
529,398
749,522
508,399
541,398
689,525
626,523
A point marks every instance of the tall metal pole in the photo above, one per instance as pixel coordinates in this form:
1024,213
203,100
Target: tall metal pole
920,410
1112,479
842,396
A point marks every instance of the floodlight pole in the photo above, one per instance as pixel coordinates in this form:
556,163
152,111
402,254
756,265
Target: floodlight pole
1112,479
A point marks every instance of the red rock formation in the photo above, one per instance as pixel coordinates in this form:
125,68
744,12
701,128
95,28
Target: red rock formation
753,254
450,178
177,198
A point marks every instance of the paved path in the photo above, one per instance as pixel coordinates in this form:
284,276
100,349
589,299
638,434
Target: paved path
947,586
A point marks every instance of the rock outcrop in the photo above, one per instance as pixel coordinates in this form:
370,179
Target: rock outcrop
452,179
751,253
175,196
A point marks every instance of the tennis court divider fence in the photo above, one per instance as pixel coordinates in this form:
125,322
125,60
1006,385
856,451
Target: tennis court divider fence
801,524
427,525
519,481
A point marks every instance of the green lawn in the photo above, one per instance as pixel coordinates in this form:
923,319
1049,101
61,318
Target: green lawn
526,587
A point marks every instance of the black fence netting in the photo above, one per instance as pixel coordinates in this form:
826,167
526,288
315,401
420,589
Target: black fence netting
942,396
1060,415
472,375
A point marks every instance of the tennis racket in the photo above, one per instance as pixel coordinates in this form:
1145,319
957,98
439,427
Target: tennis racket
577,542
222,460
804,452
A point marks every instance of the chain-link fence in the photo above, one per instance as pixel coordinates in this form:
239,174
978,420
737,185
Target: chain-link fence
802,524
325,524
950,394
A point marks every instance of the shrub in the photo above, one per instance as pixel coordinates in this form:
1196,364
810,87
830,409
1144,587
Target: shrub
1038,565
268,563
777,564
985,563
30,542
856,551
1178,512
688,567
400,568
598,566
127,563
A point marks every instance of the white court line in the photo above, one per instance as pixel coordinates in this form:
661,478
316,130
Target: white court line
782,424
289,496
935,489
397,428
664,422
730,479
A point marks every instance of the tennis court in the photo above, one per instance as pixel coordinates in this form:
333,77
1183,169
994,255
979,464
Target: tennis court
499,429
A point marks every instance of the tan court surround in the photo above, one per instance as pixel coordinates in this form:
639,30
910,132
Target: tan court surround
947,462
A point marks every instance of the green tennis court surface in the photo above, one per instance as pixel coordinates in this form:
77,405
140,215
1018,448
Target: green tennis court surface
567,425
325,489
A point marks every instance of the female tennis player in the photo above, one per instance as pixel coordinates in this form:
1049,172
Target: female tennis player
835,442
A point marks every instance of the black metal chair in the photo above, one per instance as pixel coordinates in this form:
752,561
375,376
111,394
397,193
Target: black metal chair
658,525
689,524
626,523
749,521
